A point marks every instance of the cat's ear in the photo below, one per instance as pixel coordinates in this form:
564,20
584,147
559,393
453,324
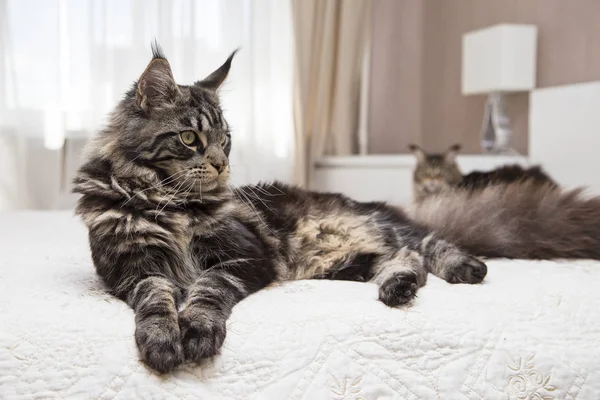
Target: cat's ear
418,152
451,153
156,87
216,79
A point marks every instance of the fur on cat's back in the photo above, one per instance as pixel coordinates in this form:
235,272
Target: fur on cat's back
504,175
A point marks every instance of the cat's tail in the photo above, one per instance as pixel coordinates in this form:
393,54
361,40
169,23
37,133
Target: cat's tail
517,220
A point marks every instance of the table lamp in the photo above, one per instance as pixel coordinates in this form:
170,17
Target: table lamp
497,61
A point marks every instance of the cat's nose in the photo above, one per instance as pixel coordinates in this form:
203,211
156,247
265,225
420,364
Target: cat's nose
219,165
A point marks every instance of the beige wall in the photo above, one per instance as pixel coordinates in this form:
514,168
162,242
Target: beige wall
396,75
416,54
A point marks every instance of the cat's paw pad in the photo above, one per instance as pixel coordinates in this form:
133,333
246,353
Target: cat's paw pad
468,270
202,333
159,342
398,289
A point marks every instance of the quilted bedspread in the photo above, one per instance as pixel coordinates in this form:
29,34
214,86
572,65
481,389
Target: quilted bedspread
531,331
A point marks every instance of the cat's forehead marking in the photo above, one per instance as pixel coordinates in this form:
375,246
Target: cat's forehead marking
204,123
210,117
194,123
435,158
204,112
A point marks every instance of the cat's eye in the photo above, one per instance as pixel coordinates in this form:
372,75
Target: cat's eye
224,141
188,138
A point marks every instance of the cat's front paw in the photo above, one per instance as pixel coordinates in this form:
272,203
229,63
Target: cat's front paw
159,342
202,332
467,269
398,289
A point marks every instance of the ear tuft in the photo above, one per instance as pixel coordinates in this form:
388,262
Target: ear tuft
157,51
455,147
418,152
215,80
452,152
156,88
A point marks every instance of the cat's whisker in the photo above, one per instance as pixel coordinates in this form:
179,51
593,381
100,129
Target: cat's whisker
259,199
171,178
263,191
170,198
248,203
167,180
276,188
135,158
189,189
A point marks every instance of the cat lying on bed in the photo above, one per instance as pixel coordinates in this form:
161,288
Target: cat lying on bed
511,211
173,239
437,172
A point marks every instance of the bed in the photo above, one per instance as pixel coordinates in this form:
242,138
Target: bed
531,331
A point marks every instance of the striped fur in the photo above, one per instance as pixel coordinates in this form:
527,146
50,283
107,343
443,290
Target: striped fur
173,239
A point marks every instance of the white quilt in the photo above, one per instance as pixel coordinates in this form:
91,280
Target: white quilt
531,331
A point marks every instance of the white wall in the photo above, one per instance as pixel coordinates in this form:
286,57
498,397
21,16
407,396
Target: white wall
564,133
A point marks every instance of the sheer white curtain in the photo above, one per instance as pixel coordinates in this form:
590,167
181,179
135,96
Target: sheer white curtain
65,63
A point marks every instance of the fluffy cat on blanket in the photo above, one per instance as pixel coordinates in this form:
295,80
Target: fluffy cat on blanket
511,211
438,172
169,236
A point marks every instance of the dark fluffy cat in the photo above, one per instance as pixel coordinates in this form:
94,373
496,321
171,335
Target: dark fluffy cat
510,211
173,239
438,172
434,172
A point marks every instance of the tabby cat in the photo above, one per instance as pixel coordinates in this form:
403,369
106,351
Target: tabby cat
169,236
511,211
435,173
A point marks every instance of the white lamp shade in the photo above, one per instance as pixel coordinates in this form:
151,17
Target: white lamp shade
501,58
